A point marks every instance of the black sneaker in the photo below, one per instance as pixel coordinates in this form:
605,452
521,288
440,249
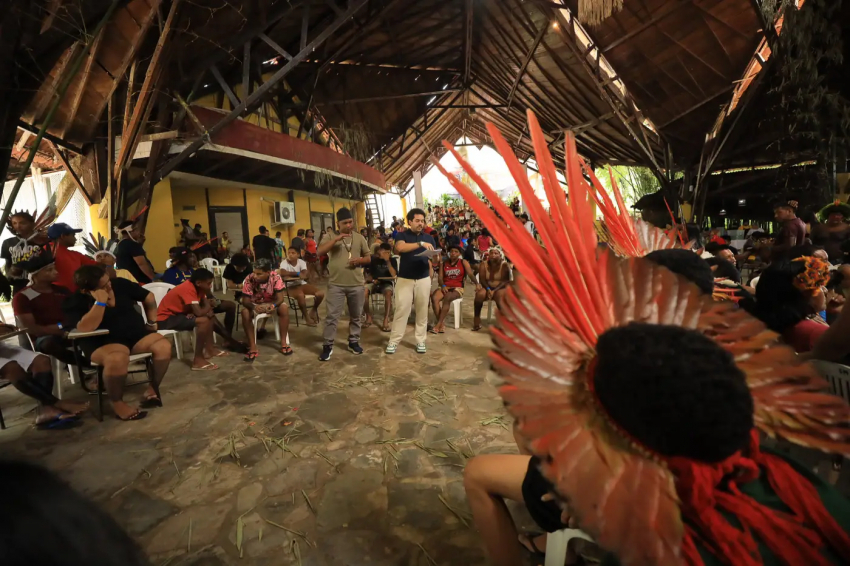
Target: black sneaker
326,353
355,348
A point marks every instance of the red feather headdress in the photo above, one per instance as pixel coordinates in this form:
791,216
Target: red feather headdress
634,502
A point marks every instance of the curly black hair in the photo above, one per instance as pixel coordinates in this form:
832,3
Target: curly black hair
687,264
675,391
779,304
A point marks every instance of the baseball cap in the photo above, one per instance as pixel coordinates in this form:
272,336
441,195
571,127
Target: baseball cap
60,229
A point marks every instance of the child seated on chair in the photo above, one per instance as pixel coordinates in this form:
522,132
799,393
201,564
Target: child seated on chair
186,307
450,286
293,269
263,293
101,303
382,270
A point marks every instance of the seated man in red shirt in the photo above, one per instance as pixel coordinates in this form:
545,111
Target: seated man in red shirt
68,261
185,307
263,293
38,307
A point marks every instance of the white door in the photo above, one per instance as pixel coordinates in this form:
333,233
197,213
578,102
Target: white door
231,222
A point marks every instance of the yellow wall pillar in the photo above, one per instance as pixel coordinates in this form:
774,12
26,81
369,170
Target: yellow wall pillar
159,232
99,225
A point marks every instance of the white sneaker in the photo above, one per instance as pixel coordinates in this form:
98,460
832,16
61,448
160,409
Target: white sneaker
420,348
391,348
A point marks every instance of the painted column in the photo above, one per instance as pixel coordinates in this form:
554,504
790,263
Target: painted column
417,189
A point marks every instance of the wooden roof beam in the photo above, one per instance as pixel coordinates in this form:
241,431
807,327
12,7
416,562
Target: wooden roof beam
467,48
528,56
663,13
263,91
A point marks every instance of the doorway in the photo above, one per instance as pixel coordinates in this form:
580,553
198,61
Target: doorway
319,222
234,221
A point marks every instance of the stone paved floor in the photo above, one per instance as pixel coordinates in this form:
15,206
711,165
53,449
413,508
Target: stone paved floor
362,456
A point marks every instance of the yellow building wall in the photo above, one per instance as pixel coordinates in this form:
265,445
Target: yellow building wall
98,225
159,238
167,209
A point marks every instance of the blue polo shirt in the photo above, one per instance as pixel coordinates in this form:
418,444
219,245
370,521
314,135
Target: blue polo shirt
413,266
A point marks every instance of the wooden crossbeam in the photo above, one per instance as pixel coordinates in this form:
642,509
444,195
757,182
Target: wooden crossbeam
224,86
66,164
528,56
82,81
663,13
467,46
265,89
274,45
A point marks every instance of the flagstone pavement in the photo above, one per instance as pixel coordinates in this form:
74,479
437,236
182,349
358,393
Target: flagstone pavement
292,461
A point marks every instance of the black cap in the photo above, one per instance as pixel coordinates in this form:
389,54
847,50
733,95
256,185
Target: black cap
343,214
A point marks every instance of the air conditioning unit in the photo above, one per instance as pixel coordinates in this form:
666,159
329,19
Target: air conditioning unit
284,213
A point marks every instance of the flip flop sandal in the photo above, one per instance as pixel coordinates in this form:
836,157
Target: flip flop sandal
476,328
139,415
530,547
151,403
60,422
286,350
209,367
222,354
251,356
386,328
433,331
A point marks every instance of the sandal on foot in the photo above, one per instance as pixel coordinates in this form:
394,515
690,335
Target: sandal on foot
61,421
433,331
150,403
137,416
476,328
286,350
526,540
251,356
221,354
208,367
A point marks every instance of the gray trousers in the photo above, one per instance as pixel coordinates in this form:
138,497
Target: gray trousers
335,300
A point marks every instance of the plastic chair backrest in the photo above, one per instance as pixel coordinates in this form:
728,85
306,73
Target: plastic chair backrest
837,375
159,290
209,262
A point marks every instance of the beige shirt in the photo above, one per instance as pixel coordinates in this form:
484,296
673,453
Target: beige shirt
341,273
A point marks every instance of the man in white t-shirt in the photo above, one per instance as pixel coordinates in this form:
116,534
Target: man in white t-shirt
293,269
529,225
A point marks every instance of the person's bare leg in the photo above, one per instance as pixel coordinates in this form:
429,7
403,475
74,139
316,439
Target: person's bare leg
160,349
17,376
499,297
248,326
446,307
319,297
283,324
41,367
489,480
115,359
206,326
388,307
436,300
480,298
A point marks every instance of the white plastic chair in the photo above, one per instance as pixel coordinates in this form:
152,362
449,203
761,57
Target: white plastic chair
837,375
159,290
211,264
456,306
55,364
557,543
488,302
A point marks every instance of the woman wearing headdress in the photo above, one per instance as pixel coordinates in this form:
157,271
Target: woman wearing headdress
642,401
834,229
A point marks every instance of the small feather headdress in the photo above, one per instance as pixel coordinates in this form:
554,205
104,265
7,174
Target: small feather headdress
646,508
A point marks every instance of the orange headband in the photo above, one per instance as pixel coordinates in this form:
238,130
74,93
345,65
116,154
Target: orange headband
814,277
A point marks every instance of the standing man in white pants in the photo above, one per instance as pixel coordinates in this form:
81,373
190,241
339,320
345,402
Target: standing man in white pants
413,285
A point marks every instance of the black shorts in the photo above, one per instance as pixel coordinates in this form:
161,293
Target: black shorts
547,514
128,338
381,287
177,322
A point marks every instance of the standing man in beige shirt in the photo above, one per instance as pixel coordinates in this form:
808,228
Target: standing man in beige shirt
347,252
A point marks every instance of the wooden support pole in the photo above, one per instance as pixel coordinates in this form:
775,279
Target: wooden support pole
129,138
66,164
